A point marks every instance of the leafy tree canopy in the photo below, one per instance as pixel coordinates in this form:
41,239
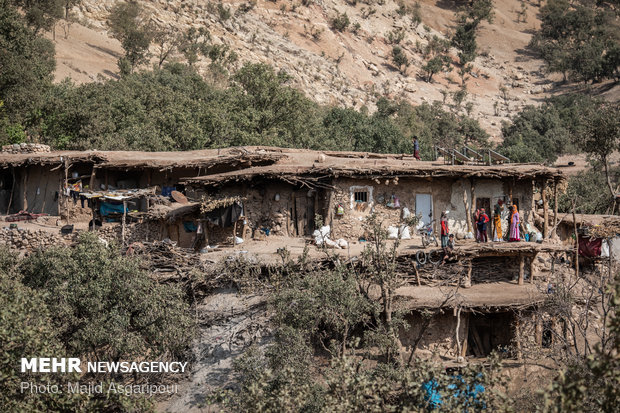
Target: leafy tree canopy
104,305
542,133
26,69
580,39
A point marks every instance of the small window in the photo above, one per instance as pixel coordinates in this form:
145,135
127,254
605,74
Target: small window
360,196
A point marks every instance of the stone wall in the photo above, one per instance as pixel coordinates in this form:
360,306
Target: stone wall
25,148
31,240
438,338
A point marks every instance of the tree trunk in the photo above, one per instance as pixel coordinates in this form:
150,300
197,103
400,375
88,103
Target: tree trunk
609,185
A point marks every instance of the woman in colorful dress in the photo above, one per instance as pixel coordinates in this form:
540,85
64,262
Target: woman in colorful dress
497,221
514,225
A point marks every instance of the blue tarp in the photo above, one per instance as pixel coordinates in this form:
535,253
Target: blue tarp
107,208
167,190
473,391
189,226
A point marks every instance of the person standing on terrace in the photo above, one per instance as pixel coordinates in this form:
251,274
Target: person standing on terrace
416,148
445,232
514,225
481,223
497,220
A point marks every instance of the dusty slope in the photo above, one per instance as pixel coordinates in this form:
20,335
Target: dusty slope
342,68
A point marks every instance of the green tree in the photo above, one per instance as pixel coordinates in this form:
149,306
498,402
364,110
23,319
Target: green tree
104,305
542,133
194,43
585,189
129,26
26,68
27,329
340,22
591,385
400,59
468,22
39,14
432,67
599,135
579,38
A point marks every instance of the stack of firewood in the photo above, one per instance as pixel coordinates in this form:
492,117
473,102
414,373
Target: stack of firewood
165,260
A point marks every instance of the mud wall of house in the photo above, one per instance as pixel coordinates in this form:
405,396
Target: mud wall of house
36,190
350,225
439,337
454,195
281,208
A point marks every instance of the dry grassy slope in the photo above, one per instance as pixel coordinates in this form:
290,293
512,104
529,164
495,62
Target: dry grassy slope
337,68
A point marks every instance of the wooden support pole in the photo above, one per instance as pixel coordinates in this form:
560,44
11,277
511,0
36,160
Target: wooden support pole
417,273
472,205
67,191
576,242
92,208
466,335
467,209
24,190
545,210
91,183
458,326
521,269
532,268
538,331
517,327
123,222
555,208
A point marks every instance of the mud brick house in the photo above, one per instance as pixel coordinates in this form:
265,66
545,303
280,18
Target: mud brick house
286,195
280,191
484,298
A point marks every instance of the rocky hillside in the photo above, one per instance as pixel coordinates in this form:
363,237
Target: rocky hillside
352,67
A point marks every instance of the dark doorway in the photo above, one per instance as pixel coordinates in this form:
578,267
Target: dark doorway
303,211
488,332
7,179
547,334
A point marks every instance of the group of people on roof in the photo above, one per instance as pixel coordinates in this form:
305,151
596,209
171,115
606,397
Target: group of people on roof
482,219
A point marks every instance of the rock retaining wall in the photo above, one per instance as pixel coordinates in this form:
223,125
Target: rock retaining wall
23,239
25,148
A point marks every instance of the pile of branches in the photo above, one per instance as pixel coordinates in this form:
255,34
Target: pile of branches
609,230
450,273
165,261
210,204
492,269
197,276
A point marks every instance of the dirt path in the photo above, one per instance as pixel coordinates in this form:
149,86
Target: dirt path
228,323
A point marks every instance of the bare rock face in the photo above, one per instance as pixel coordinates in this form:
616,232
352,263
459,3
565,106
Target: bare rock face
352,67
